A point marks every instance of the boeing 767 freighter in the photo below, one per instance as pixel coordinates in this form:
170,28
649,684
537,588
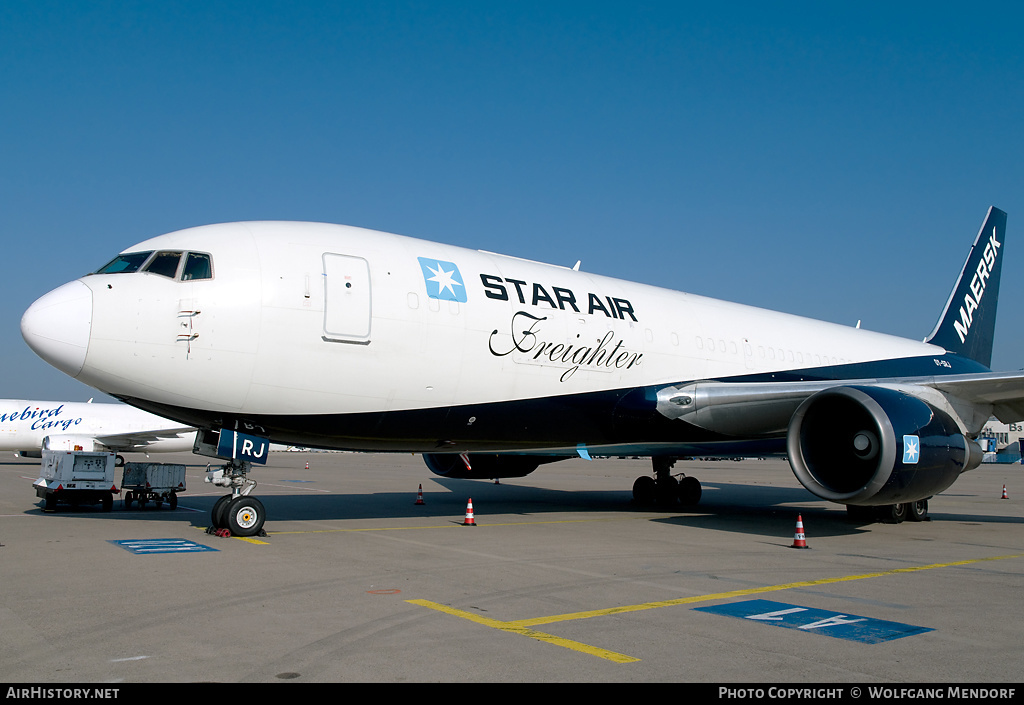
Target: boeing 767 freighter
339,337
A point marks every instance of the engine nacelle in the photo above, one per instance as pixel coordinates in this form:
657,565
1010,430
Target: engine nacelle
483,466
874,446
72,442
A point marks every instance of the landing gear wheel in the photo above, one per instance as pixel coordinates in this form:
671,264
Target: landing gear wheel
245,516
894,513
689,491
217,519
645,489
918,511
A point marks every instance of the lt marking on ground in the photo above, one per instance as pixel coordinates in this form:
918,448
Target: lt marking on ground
834,624
523,627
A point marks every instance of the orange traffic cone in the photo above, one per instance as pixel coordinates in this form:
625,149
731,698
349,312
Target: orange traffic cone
798,538
1005,496
469,514
419,497
307,465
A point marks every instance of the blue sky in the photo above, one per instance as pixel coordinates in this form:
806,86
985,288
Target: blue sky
826,159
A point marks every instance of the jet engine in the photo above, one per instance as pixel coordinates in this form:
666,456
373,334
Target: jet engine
72,442
872,446
483,466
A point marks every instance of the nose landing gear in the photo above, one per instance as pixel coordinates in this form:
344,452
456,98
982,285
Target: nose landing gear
237,512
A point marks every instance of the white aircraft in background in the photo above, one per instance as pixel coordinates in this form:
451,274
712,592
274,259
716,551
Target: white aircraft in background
338,337
28,427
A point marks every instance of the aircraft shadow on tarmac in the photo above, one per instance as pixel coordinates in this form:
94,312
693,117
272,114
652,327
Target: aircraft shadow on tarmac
758,510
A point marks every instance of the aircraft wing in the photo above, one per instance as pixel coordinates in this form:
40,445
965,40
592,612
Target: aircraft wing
765,408
1004,391
139,440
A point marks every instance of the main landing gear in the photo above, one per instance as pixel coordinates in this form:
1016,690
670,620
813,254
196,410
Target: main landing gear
890,513
237,512
663,489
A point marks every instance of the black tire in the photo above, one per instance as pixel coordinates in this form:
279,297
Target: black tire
645,490
689,491
918,511
107,502
172,501
245,516
894,513
217,519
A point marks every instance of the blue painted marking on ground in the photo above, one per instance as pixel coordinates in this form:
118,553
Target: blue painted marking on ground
834,624
145,546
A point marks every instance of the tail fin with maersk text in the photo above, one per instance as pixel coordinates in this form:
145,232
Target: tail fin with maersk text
967,324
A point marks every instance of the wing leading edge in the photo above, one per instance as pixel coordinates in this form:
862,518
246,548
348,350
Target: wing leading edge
179,439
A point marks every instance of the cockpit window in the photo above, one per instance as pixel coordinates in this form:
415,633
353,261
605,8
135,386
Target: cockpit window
125,263
164,263
197,266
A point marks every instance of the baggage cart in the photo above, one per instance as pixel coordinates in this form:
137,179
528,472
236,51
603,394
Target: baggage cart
152,482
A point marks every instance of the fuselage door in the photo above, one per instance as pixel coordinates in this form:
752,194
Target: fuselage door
346,298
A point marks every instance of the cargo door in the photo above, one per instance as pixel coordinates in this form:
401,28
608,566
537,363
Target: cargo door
346,299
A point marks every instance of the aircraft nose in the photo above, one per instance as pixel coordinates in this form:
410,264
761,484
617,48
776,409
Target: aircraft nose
57,326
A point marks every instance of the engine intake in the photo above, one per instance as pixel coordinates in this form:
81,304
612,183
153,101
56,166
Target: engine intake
874,445
72,442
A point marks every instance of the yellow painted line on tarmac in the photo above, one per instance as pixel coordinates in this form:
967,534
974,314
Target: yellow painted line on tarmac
524,626
532,633
247,539
745,592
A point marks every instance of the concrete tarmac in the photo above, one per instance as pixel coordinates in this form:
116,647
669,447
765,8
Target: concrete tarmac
563,579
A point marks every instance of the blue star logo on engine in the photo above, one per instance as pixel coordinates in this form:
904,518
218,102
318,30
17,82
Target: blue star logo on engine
911,450
443,280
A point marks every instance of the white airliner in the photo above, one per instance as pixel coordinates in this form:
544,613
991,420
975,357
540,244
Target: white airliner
28,427
338,337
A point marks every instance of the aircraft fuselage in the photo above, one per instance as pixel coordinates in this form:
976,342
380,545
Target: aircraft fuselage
334,336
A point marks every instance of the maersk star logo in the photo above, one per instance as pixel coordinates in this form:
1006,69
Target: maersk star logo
911,450
443,280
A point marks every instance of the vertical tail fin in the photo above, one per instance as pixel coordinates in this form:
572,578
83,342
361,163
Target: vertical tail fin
967,324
